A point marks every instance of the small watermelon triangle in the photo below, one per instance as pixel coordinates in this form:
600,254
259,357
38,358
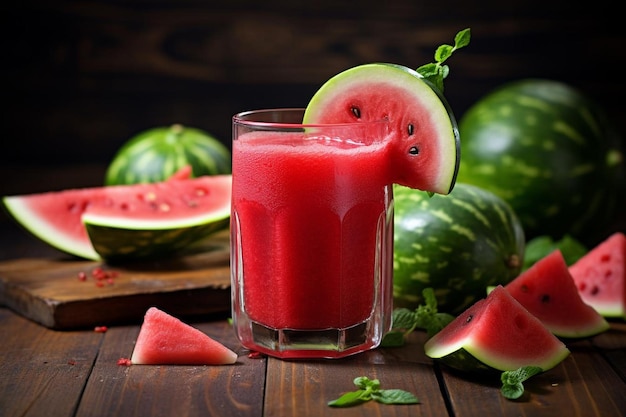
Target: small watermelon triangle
600,276
547,290
496,333
165,340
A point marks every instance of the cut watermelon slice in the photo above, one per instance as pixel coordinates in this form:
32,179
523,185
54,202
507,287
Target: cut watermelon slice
600,276
127,220
547,290
423,145
165,340
496,333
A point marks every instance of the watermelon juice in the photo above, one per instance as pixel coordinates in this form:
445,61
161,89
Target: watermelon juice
312,237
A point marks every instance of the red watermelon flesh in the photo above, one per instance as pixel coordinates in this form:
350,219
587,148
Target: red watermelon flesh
423,142
499,332
547,290
600,276
55,217
165,340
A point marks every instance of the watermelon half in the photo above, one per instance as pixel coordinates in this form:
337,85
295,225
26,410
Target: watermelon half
547,291
423,142
496,333
126,221
600,276
166,340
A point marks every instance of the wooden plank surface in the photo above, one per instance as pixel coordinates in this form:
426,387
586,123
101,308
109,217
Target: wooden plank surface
43,372
50,292
584,384
141,390
75,373
299,388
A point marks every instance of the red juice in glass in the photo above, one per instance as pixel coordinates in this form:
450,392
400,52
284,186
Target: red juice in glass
312,235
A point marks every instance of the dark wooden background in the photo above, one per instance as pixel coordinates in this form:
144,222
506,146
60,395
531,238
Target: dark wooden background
81,77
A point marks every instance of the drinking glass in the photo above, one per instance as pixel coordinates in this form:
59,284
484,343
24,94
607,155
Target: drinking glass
311,235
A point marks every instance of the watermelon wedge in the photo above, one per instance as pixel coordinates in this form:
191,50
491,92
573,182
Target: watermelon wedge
496,333
127,221
547,290
600,276
165,340
423,142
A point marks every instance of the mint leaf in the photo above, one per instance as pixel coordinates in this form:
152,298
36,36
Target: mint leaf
369,389
443,52
393,338
394,396
425,317
403,318
349,399
512,387
436,72
365,383
462,38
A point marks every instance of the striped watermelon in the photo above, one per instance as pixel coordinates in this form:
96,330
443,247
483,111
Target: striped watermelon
548,151
457,244
156,154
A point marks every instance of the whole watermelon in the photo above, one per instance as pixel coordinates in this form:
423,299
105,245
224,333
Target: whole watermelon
155,154
547,150
457,244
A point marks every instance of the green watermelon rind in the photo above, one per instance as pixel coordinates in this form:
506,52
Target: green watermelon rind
469,358
457,244
155,154
462,360
33,224
118,243
360,78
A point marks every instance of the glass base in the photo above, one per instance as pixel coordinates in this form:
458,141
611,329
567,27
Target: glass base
323,343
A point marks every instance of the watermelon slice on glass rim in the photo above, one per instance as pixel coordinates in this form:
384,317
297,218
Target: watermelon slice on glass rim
600,276
423,141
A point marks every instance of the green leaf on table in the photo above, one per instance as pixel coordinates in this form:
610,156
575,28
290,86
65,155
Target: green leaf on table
369,389
512,387
349,399
394,396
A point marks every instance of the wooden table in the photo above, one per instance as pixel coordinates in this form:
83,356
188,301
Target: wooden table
75,373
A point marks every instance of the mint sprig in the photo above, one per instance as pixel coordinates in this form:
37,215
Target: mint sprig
369,389
512,387
437,71
425,317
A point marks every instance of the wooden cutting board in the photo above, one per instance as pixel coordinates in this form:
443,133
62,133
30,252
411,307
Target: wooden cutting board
52,292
